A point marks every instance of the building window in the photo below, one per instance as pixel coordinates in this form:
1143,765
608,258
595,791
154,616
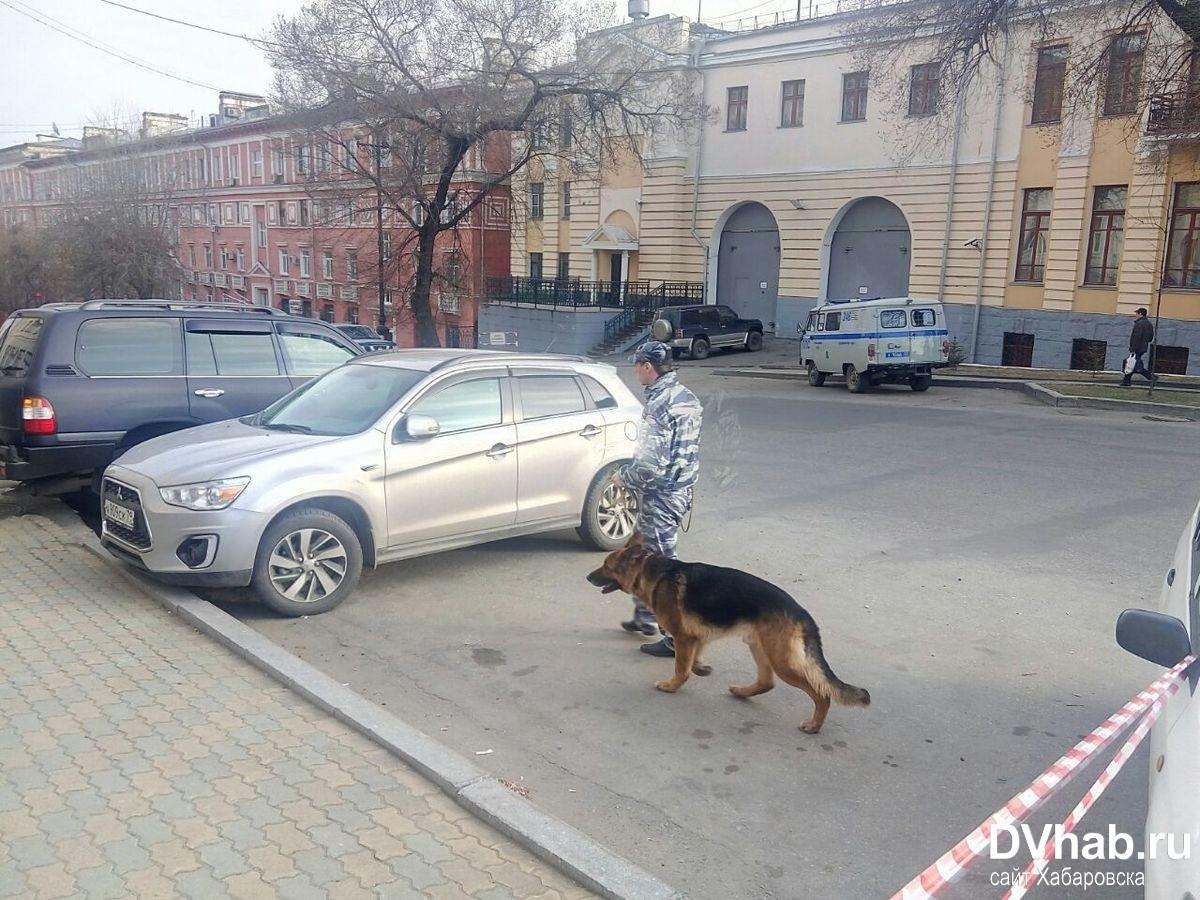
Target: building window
208,258
192,255
564,266
327,265
244,213
277,162
325,156
854,96
261,228
1035,222
1088,355
1048,85
535,266
241,258
1107,235
1017,350
537,199
351,265
285,261
224,257
736,106
792,113
302,159
923,89
566,199
387,246
235,165
256,163
216,167
305,262
1183,244
1123,78
566,129
1169,360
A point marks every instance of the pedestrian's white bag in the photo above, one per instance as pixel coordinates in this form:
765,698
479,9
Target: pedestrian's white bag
1130,364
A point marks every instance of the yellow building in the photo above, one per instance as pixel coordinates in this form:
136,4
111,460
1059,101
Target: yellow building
1041,224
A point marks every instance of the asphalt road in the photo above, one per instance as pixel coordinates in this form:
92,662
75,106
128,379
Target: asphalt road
965,552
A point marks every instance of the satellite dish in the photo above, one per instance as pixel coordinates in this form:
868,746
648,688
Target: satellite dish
661,330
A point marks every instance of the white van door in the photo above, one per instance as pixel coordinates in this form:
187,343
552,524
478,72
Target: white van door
894,341
929,333
837,342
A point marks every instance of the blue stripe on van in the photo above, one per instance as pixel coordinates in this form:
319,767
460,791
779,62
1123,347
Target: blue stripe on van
857,335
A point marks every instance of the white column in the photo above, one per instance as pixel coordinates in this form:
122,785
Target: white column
624,274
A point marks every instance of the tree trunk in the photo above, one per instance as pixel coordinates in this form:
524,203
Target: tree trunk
419,301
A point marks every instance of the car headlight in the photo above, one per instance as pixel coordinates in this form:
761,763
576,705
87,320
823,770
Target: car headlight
206,494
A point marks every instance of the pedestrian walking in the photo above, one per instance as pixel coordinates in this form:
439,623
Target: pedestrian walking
1139,342
664,469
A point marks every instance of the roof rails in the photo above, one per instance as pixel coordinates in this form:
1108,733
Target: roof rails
493,355
178,304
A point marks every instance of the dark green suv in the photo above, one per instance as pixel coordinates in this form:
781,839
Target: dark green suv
698,330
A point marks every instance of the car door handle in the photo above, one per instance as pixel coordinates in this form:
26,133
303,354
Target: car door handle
499,451
590,432
210,393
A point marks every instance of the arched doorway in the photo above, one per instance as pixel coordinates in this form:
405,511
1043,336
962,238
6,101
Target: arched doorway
869,252
748,263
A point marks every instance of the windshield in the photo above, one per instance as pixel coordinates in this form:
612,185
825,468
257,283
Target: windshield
345,401
359,332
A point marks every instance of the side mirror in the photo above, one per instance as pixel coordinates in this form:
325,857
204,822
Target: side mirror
421,427
662,330
1155,637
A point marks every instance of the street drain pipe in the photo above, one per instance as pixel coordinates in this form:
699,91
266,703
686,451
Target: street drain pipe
987,204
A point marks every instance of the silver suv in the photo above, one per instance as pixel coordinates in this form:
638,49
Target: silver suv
390,456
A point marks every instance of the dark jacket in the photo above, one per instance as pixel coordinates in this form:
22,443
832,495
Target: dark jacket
1143,334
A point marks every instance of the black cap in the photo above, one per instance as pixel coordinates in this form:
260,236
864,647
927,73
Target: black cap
654,352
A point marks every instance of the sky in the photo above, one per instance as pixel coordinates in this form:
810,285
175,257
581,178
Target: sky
48,77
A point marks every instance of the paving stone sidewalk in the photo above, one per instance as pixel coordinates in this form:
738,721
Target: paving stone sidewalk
140,759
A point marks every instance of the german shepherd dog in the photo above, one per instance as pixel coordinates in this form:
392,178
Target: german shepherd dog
698,603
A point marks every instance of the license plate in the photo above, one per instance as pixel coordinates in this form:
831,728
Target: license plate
122,515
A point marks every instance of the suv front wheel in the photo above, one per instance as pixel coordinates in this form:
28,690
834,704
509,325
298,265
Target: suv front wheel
308,562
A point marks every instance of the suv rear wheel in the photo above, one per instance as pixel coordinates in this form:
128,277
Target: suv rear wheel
700,348
609,513
308,562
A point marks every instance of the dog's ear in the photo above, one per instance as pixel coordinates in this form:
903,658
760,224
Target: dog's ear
635,539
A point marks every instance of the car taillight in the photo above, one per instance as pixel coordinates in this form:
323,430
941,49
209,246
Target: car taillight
870,351
37,416
946,349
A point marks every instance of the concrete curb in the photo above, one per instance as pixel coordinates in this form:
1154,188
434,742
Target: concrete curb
552,840
1037,391
1054,398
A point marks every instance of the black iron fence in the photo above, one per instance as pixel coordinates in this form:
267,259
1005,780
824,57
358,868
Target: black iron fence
464,336
575,293
1177,113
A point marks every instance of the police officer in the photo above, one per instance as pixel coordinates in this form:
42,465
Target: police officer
664,469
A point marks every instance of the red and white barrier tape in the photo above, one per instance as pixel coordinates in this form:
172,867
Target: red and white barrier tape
952,863
1032,873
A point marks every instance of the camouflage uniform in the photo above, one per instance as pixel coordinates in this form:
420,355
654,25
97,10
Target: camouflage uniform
666,463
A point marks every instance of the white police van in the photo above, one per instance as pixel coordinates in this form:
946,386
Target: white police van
901,339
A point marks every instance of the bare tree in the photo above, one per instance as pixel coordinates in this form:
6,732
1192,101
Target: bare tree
1121,53
437,85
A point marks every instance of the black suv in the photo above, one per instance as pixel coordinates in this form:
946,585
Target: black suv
698,329
82,382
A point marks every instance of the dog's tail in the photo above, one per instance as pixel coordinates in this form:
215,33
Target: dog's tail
821,677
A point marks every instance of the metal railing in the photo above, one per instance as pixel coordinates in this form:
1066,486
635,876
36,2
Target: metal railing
575,293
642,306
1176,113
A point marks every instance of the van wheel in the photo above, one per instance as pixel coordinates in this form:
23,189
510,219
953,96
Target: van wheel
754,341
815,376
856,381
609,513
308,562
700,348
920,383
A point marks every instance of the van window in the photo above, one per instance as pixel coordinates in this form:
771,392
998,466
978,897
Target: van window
549,395
812,322
128,346
18,343
923,318
833,321
893,318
